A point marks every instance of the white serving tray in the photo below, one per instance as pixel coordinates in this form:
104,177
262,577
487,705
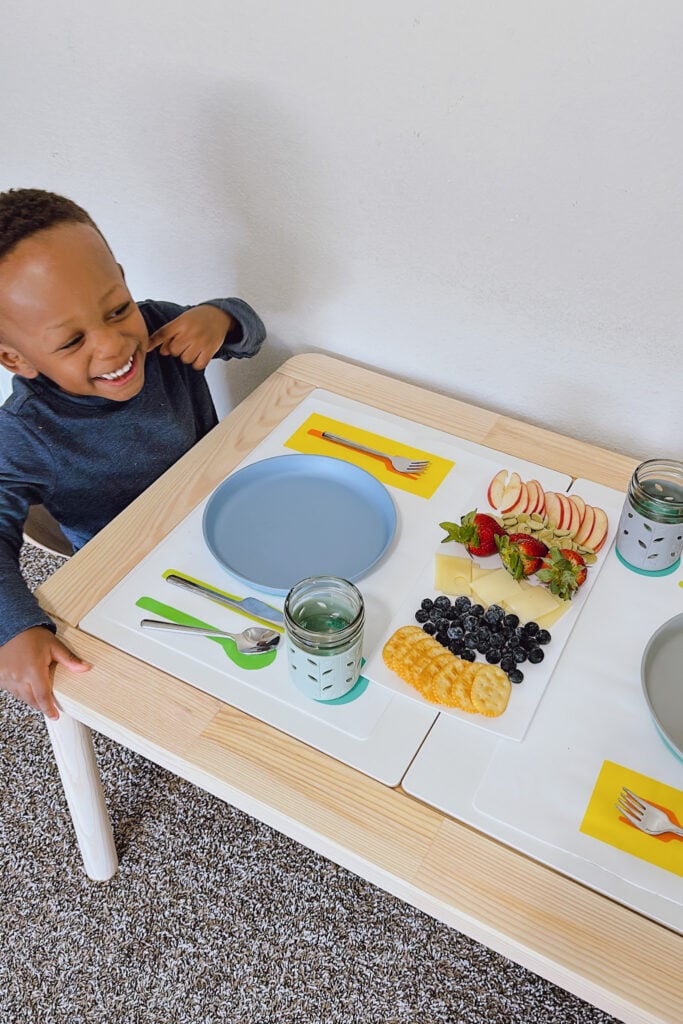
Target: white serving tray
526,697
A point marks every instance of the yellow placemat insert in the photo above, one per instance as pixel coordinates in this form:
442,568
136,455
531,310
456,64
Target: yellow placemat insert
308,440
603,821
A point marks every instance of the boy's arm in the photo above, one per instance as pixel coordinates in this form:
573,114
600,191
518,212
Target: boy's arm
217,328
28,645
247,334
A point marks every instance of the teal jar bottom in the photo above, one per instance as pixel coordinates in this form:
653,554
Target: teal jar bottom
644,572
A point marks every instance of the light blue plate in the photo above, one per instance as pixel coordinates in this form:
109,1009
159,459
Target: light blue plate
281,520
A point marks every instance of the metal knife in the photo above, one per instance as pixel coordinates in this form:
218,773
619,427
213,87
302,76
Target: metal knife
250,606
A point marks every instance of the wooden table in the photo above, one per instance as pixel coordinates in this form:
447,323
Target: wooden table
621,962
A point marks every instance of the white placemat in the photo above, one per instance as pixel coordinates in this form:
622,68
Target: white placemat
534,794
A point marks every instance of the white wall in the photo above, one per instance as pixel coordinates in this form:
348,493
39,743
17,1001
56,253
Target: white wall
483,197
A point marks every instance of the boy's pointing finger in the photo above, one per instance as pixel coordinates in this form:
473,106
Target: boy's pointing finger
156,339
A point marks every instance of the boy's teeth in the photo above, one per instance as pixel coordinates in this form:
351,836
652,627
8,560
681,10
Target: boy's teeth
118,373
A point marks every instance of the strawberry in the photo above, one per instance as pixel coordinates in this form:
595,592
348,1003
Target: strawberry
563,572
521,554
477,531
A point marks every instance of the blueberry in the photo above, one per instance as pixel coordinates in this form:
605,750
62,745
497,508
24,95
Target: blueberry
442,602
455,646
508,664
482,646
443,639
435,613
478,610
493,656
511,621
430,628
519,654
451,614
543,637
531,628
467,654
494,614
515,676
455,632
470,623
461,604
536,655
427,603
421,615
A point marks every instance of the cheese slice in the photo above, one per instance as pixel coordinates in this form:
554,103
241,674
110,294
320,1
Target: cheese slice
450,572
478,572
550,618
495,587
530,603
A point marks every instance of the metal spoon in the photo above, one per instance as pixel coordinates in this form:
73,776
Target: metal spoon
252,640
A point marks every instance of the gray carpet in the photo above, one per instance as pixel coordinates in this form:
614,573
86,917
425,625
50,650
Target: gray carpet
214,917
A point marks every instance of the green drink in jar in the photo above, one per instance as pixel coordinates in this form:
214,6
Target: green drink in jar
324,620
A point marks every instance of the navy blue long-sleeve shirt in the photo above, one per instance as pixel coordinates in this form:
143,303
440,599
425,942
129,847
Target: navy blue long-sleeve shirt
86,458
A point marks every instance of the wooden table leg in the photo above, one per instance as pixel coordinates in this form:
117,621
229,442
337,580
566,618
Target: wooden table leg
75,756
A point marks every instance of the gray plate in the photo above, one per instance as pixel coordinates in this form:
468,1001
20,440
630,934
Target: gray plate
284,519
662,678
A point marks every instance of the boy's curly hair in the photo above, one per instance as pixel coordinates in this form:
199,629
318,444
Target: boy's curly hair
24,211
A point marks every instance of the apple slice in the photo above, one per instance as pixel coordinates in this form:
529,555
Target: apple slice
567,512
535,496
522,503
598,534
554,510
580,506
586,527
572,517
497,489
511,493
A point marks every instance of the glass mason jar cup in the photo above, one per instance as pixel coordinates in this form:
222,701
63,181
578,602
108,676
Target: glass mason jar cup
650,532
324,619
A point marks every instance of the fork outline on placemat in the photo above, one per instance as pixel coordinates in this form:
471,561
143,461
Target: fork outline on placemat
645,816
401,464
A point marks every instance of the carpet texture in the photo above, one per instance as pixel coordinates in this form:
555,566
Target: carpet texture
213,916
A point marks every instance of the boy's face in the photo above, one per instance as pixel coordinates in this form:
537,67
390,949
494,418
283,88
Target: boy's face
65,312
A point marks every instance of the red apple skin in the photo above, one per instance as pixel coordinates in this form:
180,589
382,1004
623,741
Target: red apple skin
586,527
496,488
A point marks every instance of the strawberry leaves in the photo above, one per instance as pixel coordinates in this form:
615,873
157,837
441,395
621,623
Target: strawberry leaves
563,572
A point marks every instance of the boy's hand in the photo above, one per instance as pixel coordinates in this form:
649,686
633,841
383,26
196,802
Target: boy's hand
195,336
26,667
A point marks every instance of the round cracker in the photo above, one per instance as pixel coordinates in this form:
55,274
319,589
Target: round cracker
491,690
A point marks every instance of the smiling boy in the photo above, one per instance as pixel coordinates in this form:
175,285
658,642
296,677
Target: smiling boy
108,394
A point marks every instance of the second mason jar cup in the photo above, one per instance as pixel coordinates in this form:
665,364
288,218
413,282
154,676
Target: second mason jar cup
324,618
650,531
